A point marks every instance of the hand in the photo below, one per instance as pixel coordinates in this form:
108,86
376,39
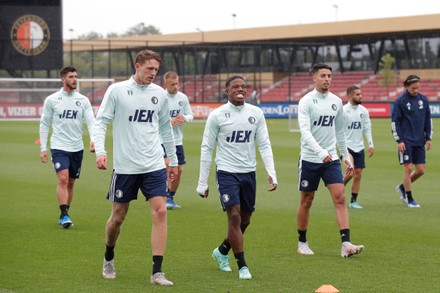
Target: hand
43,157
179,120
401,147
349,170
370,152
172,173
428,145
328,159
203,191
92,147
273,186
101,162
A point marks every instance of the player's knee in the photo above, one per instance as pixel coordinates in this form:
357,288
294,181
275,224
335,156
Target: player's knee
339,199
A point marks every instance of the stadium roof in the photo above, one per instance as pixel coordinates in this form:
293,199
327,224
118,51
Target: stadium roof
347,31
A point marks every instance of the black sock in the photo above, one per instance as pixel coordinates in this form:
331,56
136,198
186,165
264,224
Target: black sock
109,253
171,194
409,196
302,236
64,210
402,187
157,263
354,197
224,247
239,257
345,235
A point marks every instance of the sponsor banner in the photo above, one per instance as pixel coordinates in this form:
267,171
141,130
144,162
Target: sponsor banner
201,111
378,110
20,111
279,110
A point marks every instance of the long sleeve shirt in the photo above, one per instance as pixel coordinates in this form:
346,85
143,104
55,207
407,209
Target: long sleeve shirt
411,120
357,124
140,114
179,105
236,130
321,122
67,113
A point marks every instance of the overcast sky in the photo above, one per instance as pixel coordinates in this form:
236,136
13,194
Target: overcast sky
186,16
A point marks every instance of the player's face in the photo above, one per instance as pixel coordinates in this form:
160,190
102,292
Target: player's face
236,92
146,72
70,81
413,89
322,79
172,85
356,97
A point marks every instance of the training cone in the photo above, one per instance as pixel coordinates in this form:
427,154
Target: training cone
37,141
327,288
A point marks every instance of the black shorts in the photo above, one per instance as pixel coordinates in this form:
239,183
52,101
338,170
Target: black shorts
237,188
62,160
125,187
180,153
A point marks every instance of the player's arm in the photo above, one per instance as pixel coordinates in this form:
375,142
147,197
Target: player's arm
105,114
166,133
89,117
45,121
265,149
208,143
368,133
305,128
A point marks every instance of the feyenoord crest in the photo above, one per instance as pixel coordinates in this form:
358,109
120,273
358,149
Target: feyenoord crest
30,35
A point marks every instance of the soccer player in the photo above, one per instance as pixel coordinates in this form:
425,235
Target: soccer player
321,122
139,111
411,126
357,123
236,128
180,113
66,110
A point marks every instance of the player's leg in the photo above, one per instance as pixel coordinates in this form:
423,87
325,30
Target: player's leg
123,189
112,231
355,187
153,186
332,177
419,161
174,185
349,176
172,189
61,163
309,177
235,237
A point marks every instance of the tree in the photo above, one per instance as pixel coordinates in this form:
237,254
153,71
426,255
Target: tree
90,36
387,73
140,29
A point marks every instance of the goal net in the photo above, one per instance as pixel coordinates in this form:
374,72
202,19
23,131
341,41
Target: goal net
293,118
23,98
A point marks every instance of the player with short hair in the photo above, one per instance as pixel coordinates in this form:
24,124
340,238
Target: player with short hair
66,110
180,113
321,122
411,126
140,114
235,128
357,124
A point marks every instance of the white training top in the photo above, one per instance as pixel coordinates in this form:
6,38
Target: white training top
236,130
140,114
67,113
179,104
321,122
357,122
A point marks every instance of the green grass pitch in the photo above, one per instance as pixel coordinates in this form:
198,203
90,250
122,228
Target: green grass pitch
401,245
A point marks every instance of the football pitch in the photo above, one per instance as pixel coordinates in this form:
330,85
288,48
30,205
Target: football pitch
36,255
